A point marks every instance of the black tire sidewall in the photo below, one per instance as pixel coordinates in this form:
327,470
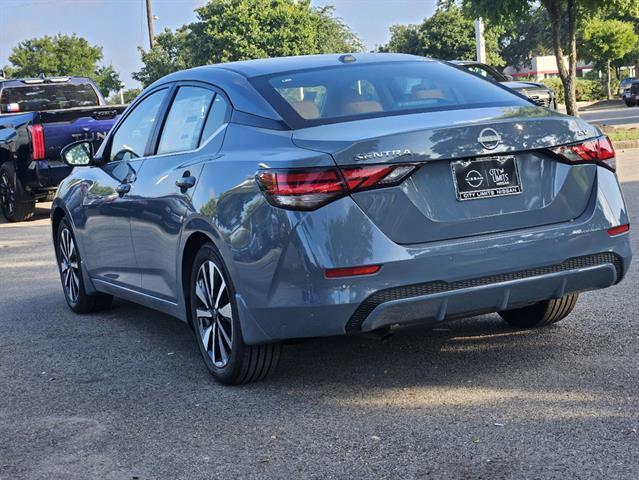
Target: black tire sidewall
7,168
23,202
231,371
83,299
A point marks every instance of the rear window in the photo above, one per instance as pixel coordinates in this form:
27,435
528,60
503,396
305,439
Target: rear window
47,96
349,92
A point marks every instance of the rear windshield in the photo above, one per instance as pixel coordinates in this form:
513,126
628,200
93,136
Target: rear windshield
349,92
48,96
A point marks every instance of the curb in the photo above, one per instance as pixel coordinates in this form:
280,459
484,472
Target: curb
623,144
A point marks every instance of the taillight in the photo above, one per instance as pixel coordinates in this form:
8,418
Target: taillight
311,188
598,150
37,141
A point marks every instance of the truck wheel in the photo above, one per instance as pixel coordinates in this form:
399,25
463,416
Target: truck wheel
541,314
16,203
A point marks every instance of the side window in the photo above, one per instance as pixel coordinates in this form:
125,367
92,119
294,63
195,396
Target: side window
216,118
132,136
185,120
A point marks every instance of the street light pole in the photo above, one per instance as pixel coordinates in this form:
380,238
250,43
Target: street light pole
480,44
149,21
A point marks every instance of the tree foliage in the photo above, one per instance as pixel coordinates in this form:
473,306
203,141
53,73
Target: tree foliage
449,35
565,18
607,40
62,55
524,38
230,30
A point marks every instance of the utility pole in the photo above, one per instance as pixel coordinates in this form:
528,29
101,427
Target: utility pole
480,44
149,21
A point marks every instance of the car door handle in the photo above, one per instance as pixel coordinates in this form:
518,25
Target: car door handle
185,182
123,188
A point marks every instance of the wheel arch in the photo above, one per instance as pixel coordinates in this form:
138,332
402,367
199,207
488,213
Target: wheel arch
57,214
192,245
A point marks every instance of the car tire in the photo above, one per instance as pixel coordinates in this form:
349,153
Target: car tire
68,258
630,104
217,328
17,204
541,314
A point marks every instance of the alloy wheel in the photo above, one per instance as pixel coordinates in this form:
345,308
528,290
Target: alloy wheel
214,313
69,265
7,193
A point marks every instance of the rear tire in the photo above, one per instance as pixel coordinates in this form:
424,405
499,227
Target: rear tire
68,257
217,327
630,104
17,204
541,314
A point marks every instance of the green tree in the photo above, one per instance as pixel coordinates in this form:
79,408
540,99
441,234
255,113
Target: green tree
565,18
523,39
62,55
607,40
448,34
229,30
128,96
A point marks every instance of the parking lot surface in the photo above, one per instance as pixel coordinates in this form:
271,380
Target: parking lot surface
123,394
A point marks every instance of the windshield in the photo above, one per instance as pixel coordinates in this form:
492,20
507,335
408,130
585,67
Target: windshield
48,96
349,92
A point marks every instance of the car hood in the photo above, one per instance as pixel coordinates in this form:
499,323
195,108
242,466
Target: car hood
525,85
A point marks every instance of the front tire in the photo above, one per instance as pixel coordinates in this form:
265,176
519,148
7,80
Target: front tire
17,204
217,326
541,314
68,257
630,104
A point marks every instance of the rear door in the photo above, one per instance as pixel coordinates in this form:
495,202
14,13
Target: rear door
192,134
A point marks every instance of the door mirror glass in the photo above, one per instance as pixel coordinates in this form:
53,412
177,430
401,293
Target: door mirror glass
78,154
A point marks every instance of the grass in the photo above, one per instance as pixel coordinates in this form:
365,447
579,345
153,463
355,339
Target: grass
618,134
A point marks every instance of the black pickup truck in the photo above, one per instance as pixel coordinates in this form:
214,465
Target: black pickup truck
39,116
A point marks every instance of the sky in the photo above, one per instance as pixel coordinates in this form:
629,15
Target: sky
119,26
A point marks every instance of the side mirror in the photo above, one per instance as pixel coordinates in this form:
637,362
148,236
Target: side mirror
509,78
78,154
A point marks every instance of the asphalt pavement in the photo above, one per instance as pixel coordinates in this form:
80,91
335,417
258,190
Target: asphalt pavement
123,394
619,116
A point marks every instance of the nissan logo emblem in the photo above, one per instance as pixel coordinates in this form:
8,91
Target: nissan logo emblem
489,139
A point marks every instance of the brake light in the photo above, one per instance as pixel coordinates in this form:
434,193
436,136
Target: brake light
37,141
311,188
598,150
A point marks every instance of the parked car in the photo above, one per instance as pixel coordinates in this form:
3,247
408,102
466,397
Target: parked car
39,116
625,84
537,92
275,199
631,94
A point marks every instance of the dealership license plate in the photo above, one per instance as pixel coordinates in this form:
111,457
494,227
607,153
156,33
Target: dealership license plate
486,177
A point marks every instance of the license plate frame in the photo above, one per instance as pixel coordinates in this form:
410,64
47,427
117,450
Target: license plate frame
486,177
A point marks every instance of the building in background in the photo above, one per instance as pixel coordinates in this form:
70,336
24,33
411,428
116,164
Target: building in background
544,67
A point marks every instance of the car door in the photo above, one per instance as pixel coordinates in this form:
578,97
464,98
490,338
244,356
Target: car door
192,134
110,195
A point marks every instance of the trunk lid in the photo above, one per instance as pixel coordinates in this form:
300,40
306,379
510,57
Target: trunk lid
425,207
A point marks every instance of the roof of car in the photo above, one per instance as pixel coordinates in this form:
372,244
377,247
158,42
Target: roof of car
268,66
233,77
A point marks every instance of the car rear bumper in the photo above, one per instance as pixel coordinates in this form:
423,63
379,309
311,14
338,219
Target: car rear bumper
430,282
